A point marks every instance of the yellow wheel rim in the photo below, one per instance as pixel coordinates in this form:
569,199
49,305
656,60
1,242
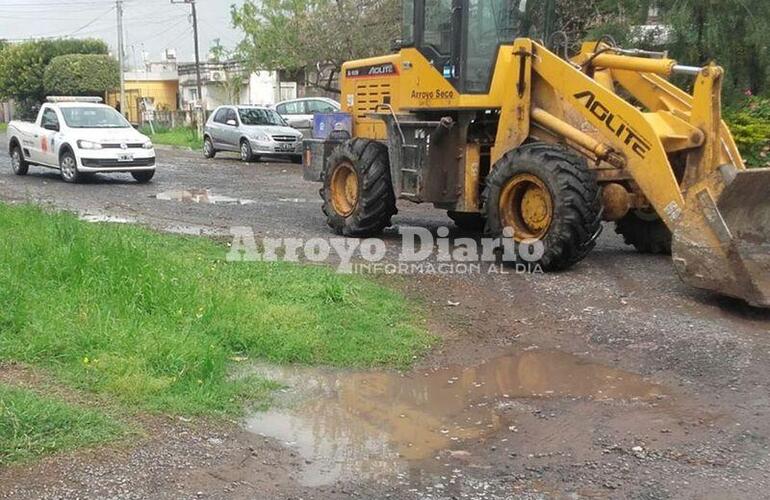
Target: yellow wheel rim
526,205
344,189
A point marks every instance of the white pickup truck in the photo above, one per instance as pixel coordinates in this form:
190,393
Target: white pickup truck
80,136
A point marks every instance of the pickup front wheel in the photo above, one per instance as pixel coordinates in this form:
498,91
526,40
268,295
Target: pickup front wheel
69,168
143,176
18,163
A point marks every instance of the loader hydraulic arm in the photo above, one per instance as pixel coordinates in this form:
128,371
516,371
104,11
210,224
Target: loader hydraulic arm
562,91
718,212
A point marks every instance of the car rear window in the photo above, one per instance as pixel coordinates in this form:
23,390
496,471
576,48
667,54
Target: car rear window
292,108
317,106
258,116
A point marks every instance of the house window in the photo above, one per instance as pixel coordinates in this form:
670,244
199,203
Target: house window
193,95
653,14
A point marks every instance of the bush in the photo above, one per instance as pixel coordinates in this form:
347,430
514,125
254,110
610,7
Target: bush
22,66
750,125
81,74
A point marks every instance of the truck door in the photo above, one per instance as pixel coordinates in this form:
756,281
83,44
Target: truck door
48,134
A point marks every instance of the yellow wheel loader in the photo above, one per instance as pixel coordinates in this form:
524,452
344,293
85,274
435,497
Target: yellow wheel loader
476,116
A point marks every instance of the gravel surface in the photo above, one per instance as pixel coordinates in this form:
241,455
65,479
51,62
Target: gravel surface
708,438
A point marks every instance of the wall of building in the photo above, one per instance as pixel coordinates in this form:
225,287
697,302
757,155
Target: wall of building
162,93
259,88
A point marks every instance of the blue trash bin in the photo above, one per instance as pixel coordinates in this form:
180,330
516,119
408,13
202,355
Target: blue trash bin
326,123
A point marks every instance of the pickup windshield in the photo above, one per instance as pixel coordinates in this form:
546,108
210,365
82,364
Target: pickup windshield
256,116
93,117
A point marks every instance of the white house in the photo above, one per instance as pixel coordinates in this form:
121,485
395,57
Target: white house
229,83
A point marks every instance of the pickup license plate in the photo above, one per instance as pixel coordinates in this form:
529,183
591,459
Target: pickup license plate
285,147
126,157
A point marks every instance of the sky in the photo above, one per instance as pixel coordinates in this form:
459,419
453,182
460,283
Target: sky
151,26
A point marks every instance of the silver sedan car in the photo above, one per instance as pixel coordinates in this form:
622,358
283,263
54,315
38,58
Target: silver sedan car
253,131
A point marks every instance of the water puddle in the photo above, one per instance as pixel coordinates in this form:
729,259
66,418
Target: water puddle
372,424
202,196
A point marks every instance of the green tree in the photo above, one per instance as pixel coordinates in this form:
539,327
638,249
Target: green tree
81,74
733,33
310,34
22,67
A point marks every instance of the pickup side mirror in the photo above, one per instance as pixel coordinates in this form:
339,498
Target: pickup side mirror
232,123
51,126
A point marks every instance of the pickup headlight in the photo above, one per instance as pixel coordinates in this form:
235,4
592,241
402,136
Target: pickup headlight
89,145
261,137
148,145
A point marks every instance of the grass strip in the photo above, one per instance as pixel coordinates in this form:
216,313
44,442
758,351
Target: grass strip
32,426
184,137
157,321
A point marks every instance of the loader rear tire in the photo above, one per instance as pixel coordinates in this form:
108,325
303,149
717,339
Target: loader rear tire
545,192
646,232
357,193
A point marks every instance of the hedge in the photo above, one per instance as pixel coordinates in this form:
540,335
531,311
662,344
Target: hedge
81,74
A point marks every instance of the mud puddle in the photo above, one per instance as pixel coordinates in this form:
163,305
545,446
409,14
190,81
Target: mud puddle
353,425
202,196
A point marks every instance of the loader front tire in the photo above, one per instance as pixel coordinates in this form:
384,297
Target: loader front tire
544,192
357,193
646,232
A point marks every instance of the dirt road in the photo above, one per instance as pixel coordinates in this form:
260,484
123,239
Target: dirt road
612,380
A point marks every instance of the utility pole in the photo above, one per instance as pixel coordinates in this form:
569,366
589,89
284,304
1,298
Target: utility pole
121,62
197,57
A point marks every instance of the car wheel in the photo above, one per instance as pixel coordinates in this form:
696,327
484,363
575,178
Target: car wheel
143,176
18,163
296,160
246,153
208,148
68,165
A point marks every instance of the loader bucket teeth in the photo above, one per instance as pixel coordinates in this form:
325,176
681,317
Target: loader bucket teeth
723,245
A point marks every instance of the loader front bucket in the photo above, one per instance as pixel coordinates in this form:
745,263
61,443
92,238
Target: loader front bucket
723,244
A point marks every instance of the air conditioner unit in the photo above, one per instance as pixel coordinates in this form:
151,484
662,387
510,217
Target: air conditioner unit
218,76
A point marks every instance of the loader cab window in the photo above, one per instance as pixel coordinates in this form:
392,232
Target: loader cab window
407,19
461,37
438,25
490,23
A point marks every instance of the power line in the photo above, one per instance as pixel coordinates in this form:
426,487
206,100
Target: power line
47,6
91,22
44,37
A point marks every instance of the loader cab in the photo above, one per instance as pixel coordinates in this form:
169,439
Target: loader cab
461,38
